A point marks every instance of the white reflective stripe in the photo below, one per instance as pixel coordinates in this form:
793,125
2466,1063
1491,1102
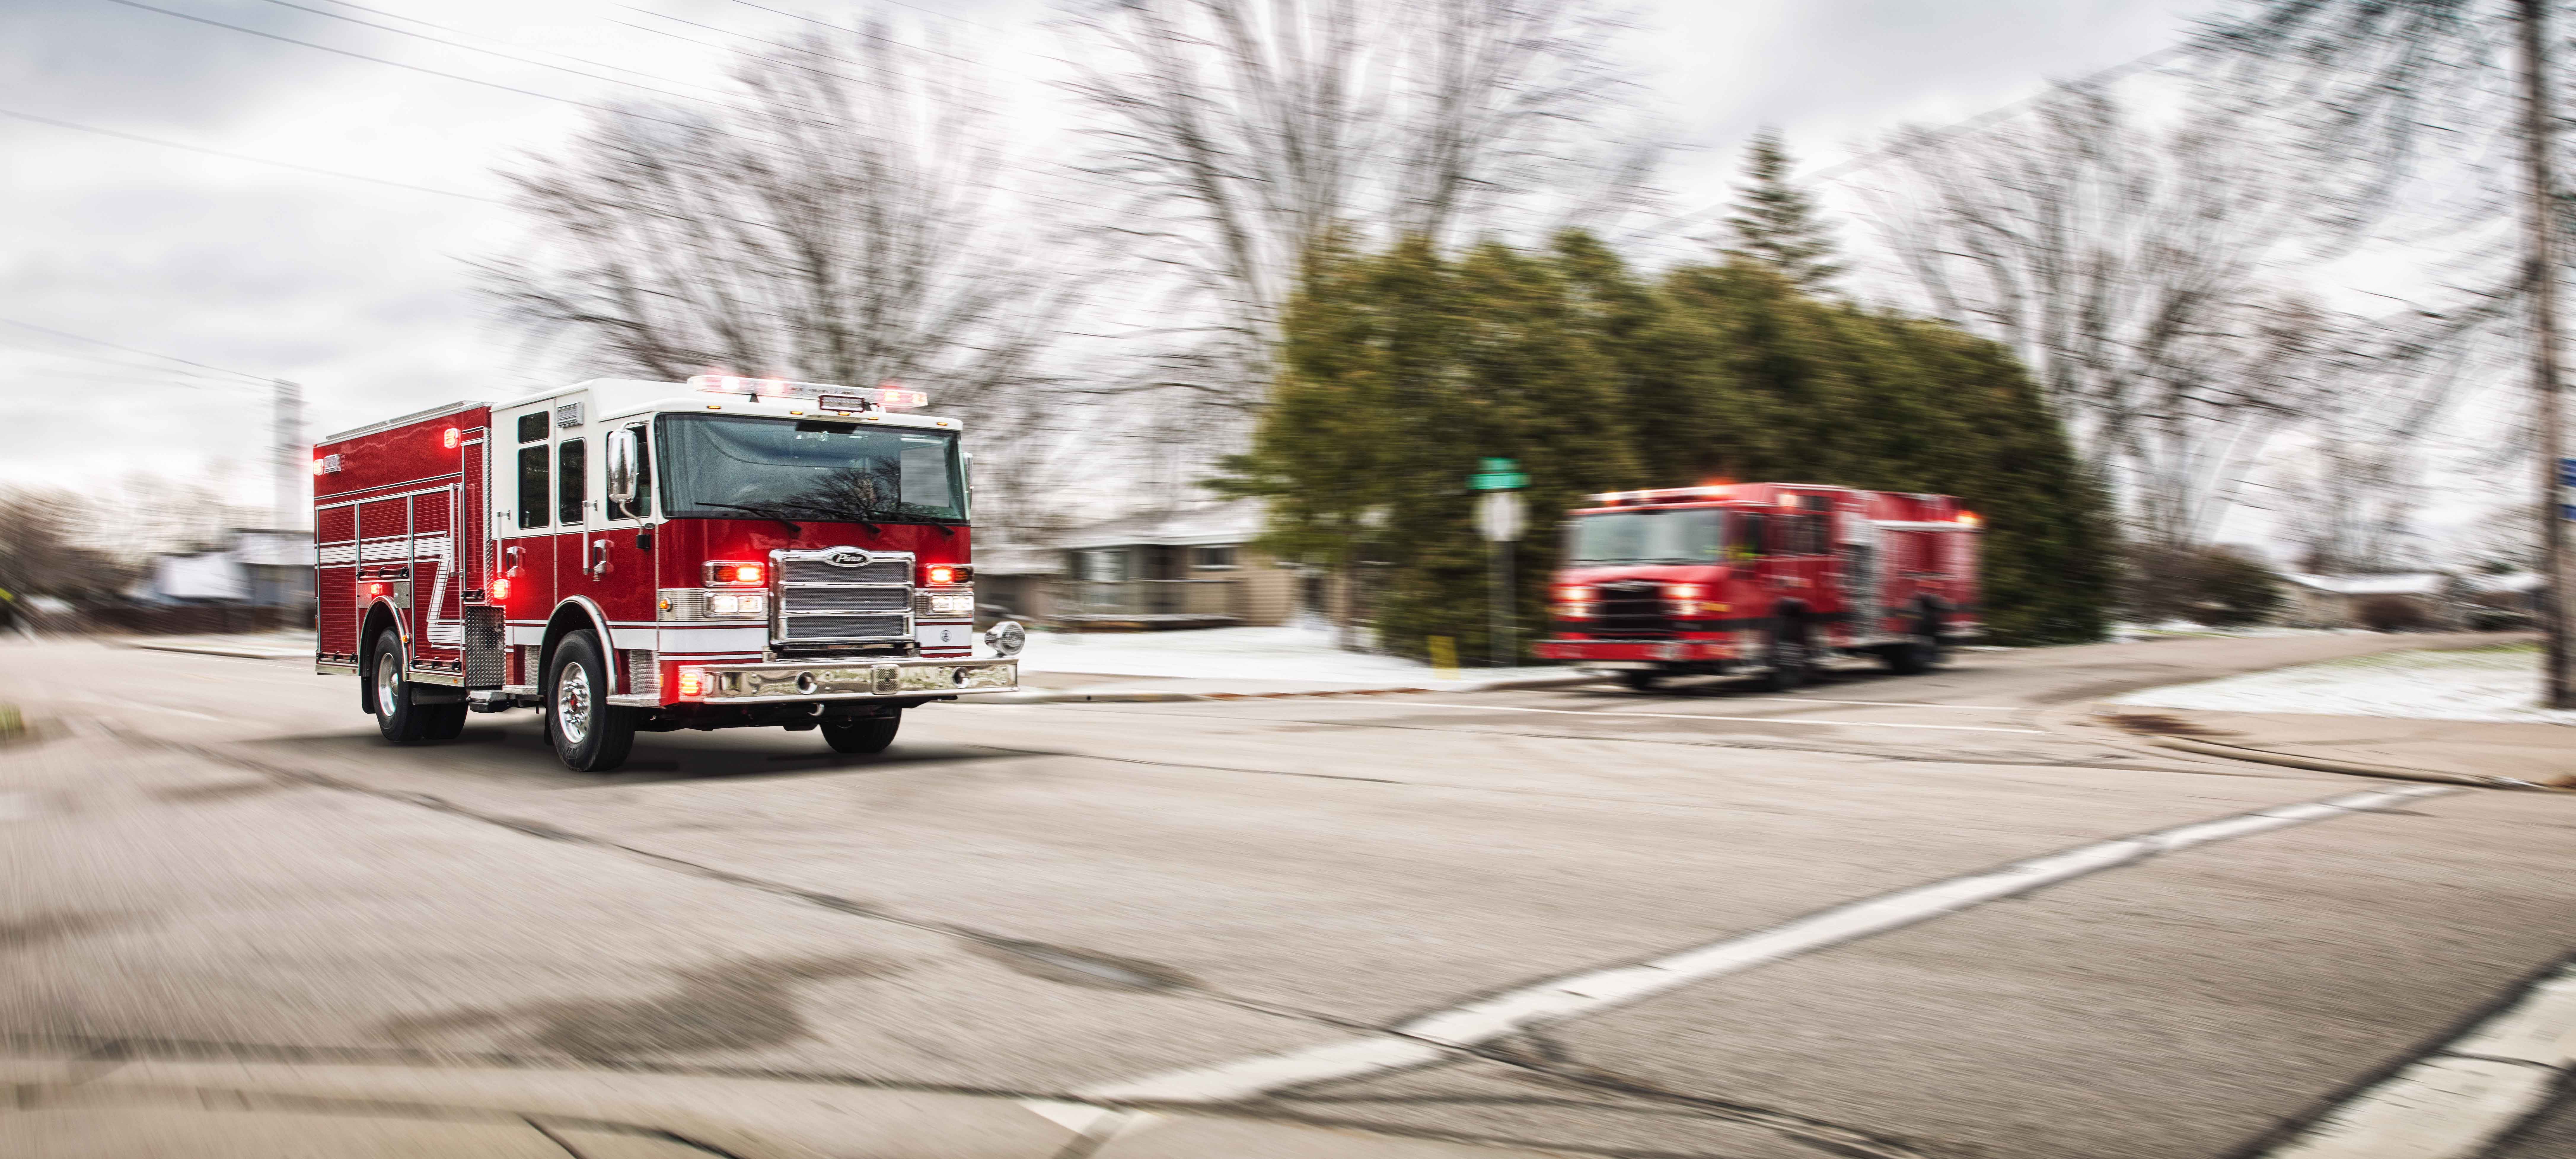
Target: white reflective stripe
336,553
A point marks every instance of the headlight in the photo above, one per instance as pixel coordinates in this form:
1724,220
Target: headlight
958,602
1007,637
736,605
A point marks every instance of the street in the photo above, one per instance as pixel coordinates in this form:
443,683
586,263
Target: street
1234,903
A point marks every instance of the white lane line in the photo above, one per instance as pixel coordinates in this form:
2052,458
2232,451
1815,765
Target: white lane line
1432,1037
2463,1096
1745,719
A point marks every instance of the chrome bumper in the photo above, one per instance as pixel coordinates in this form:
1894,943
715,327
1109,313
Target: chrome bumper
848,680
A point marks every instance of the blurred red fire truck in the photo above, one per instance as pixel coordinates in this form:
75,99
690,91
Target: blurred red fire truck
635,556
1767,579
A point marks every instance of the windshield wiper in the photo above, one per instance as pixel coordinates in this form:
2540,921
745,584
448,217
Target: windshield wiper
792,528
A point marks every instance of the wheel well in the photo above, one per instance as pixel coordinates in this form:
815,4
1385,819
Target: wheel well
1789,612
569,618
379,618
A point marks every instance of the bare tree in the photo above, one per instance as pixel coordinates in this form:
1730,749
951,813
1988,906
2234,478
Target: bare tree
1249,133
839,220
2130,266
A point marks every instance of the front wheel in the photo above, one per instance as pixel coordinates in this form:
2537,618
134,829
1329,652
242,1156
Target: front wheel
1640,679
589,733
866,735
1921,654
1787,655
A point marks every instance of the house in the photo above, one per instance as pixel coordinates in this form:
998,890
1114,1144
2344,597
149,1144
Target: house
2339,601
1185,567
253,566
1016,582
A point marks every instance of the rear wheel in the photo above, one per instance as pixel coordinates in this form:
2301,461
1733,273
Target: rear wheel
1640,679
389,693
866,735
589,733
1787,656
1921,654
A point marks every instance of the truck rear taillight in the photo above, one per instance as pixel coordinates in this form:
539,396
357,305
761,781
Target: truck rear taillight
736,574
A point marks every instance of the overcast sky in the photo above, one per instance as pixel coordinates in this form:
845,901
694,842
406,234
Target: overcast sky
360,291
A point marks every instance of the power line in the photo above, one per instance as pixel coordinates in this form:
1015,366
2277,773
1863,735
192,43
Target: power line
610,109
488,51
258,378
123,135
470,34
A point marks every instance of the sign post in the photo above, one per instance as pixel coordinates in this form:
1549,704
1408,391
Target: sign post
1499,518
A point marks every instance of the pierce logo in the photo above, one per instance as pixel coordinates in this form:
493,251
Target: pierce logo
846,558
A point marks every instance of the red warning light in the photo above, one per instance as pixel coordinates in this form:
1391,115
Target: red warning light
450,438
375,589
501,588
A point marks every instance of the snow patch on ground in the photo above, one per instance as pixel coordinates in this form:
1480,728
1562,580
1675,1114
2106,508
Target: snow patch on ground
2501,683
1286,653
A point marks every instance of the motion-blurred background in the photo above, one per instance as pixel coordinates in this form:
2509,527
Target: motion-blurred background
2221,313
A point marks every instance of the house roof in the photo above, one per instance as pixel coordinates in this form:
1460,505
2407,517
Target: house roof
2512,581
1234,521
2412,583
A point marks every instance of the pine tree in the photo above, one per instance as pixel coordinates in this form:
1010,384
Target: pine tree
1776,224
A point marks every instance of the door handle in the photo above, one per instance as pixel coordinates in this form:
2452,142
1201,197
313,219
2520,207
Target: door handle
601,567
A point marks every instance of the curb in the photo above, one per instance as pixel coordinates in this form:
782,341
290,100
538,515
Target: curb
220,650
2355,768
752,1117
1148,696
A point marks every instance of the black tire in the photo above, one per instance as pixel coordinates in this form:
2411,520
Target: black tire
443,721
1921,654
1641,679
389,692
590,734
865,735
1788,657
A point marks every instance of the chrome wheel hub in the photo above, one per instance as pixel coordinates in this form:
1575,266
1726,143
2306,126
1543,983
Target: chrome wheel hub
572,703
388,681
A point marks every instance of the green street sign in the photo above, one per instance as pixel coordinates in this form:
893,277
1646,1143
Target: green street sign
1498,475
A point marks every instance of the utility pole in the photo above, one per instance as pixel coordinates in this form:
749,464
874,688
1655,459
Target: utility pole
289,456
2538,147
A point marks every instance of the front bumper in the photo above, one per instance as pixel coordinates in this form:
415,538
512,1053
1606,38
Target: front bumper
853,680
1670,651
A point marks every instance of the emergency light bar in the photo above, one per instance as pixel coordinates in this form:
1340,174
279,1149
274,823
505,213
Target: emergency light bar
826,395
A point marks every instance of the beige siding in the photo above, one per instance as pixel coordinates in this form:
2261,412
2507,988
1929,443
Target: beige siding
1269,594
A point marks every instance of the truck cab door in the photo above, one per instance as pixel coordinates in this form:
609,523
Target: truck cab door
523,526
597,557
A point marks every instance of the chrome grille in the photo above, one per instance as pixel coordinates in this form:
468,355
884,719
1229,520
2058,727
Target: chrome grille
850,600
1630,608
818,601
815,571
844,627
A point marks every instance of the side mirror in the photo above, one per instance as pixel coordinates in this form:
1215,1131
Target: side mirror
621,470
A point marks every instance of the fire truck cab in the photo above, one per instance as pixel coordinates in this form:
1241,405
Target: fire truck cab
627,555
1767,579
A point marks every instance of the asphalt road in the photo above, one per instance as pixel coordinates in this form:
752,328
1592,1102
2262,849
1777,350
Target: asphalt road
218,857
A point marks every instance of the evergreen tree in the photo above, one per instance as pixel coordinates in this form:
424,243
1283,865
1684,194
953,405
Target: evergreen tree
1403,368
1775,223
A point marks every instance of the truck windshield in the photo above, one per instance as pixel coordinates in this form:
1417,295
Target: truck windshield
723,466
1679,536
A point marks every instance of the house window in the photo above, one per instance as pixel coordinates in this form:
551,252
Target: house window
1212,558
1104,564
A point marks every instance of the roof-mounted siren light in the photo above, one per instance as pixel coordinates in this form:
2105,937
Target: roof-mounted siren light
828,396
1969,519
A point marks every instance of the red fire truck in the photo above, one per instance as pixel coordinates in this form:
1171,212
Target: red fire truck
635,556
1766,579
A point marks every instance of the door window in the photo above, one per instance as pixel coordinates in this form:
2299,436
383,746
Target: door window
571,481
532,485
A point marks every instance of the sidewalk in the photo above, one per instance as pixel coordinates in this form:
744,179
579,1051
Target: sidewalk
295,645
2493,754
115,1109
